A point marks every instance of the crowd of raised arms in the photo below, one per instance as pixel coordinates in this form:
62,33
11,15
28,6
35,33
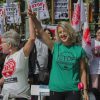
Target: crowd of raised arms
66,61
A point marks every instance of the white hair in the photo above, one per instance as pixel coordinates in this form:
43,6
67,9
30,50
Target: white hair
12,37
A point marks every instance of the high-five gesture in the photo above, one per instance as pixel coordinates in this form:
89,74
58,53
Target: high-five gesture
35,20
35,23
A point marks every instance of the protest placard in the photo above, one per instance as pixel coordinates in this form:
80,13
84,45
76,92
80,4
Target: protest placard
61,9
12,13
1,11
40,7
1,26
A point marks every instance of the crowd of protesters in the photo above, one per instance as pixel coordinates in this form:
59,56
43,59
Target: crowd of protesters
68,59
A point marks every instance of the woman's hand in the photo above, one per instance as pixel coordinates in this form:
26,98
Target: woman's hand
30,13
85,95
35,20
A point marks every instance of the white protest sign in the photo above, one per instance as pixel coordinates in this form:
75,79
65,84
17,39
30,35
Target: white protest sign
61,9
1,25
1,20
40,90
40,7
1,12
12,13
9,1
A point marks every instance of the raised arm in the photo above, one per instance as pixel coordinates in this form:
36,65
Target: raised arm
44,35
46,39
29,44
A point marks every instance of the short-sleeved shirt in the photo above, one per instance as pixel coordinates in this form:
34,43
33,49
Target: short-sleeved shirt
65,72
95,63
42,54
15,73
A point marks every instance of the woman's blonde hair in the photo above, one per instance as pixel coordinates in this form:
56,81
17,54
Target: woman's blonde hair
68,29
12,37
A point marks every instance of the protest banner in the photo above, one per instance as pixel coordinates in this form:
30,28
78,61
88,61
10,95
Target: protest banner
1,26
40,7
1,11
61,9
12,13
1,20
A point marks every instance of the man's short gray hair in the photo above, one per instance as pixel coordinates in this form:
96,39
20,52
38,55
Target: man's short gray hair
12,37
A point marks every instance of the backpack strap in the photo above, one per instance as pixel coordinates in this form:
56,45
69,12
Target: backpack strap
36,60
32,61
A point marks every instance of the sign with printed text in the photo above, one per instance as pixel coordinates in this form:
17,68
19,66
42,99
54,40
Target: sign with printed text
61,9
1,26
1,20
12,13
40,7
9,1
1,11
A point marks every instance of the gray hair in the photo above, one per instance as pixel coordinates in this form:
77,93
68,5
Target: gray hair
12,37
69,30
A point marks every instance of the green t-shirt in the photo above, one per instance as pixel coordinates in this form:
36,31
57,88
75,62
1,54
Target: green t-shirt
65,72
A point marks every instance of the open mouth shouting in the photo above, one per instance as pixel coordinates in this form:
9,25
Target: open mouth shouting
63,37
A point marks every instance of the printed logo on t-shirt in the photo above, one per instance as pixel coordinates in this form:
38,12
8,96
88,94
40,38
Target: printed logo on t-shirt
9,68
66,60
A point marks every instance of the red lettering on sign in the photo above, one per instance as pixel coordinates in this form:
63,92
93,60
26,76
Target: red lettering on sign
35,5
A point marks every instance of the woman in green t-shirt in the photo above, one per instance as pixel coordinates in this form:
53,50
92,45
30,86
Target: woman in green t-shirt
68,63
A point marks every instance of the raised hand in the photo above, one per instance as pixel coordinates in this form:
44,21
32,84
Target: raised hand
29,12
36,22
